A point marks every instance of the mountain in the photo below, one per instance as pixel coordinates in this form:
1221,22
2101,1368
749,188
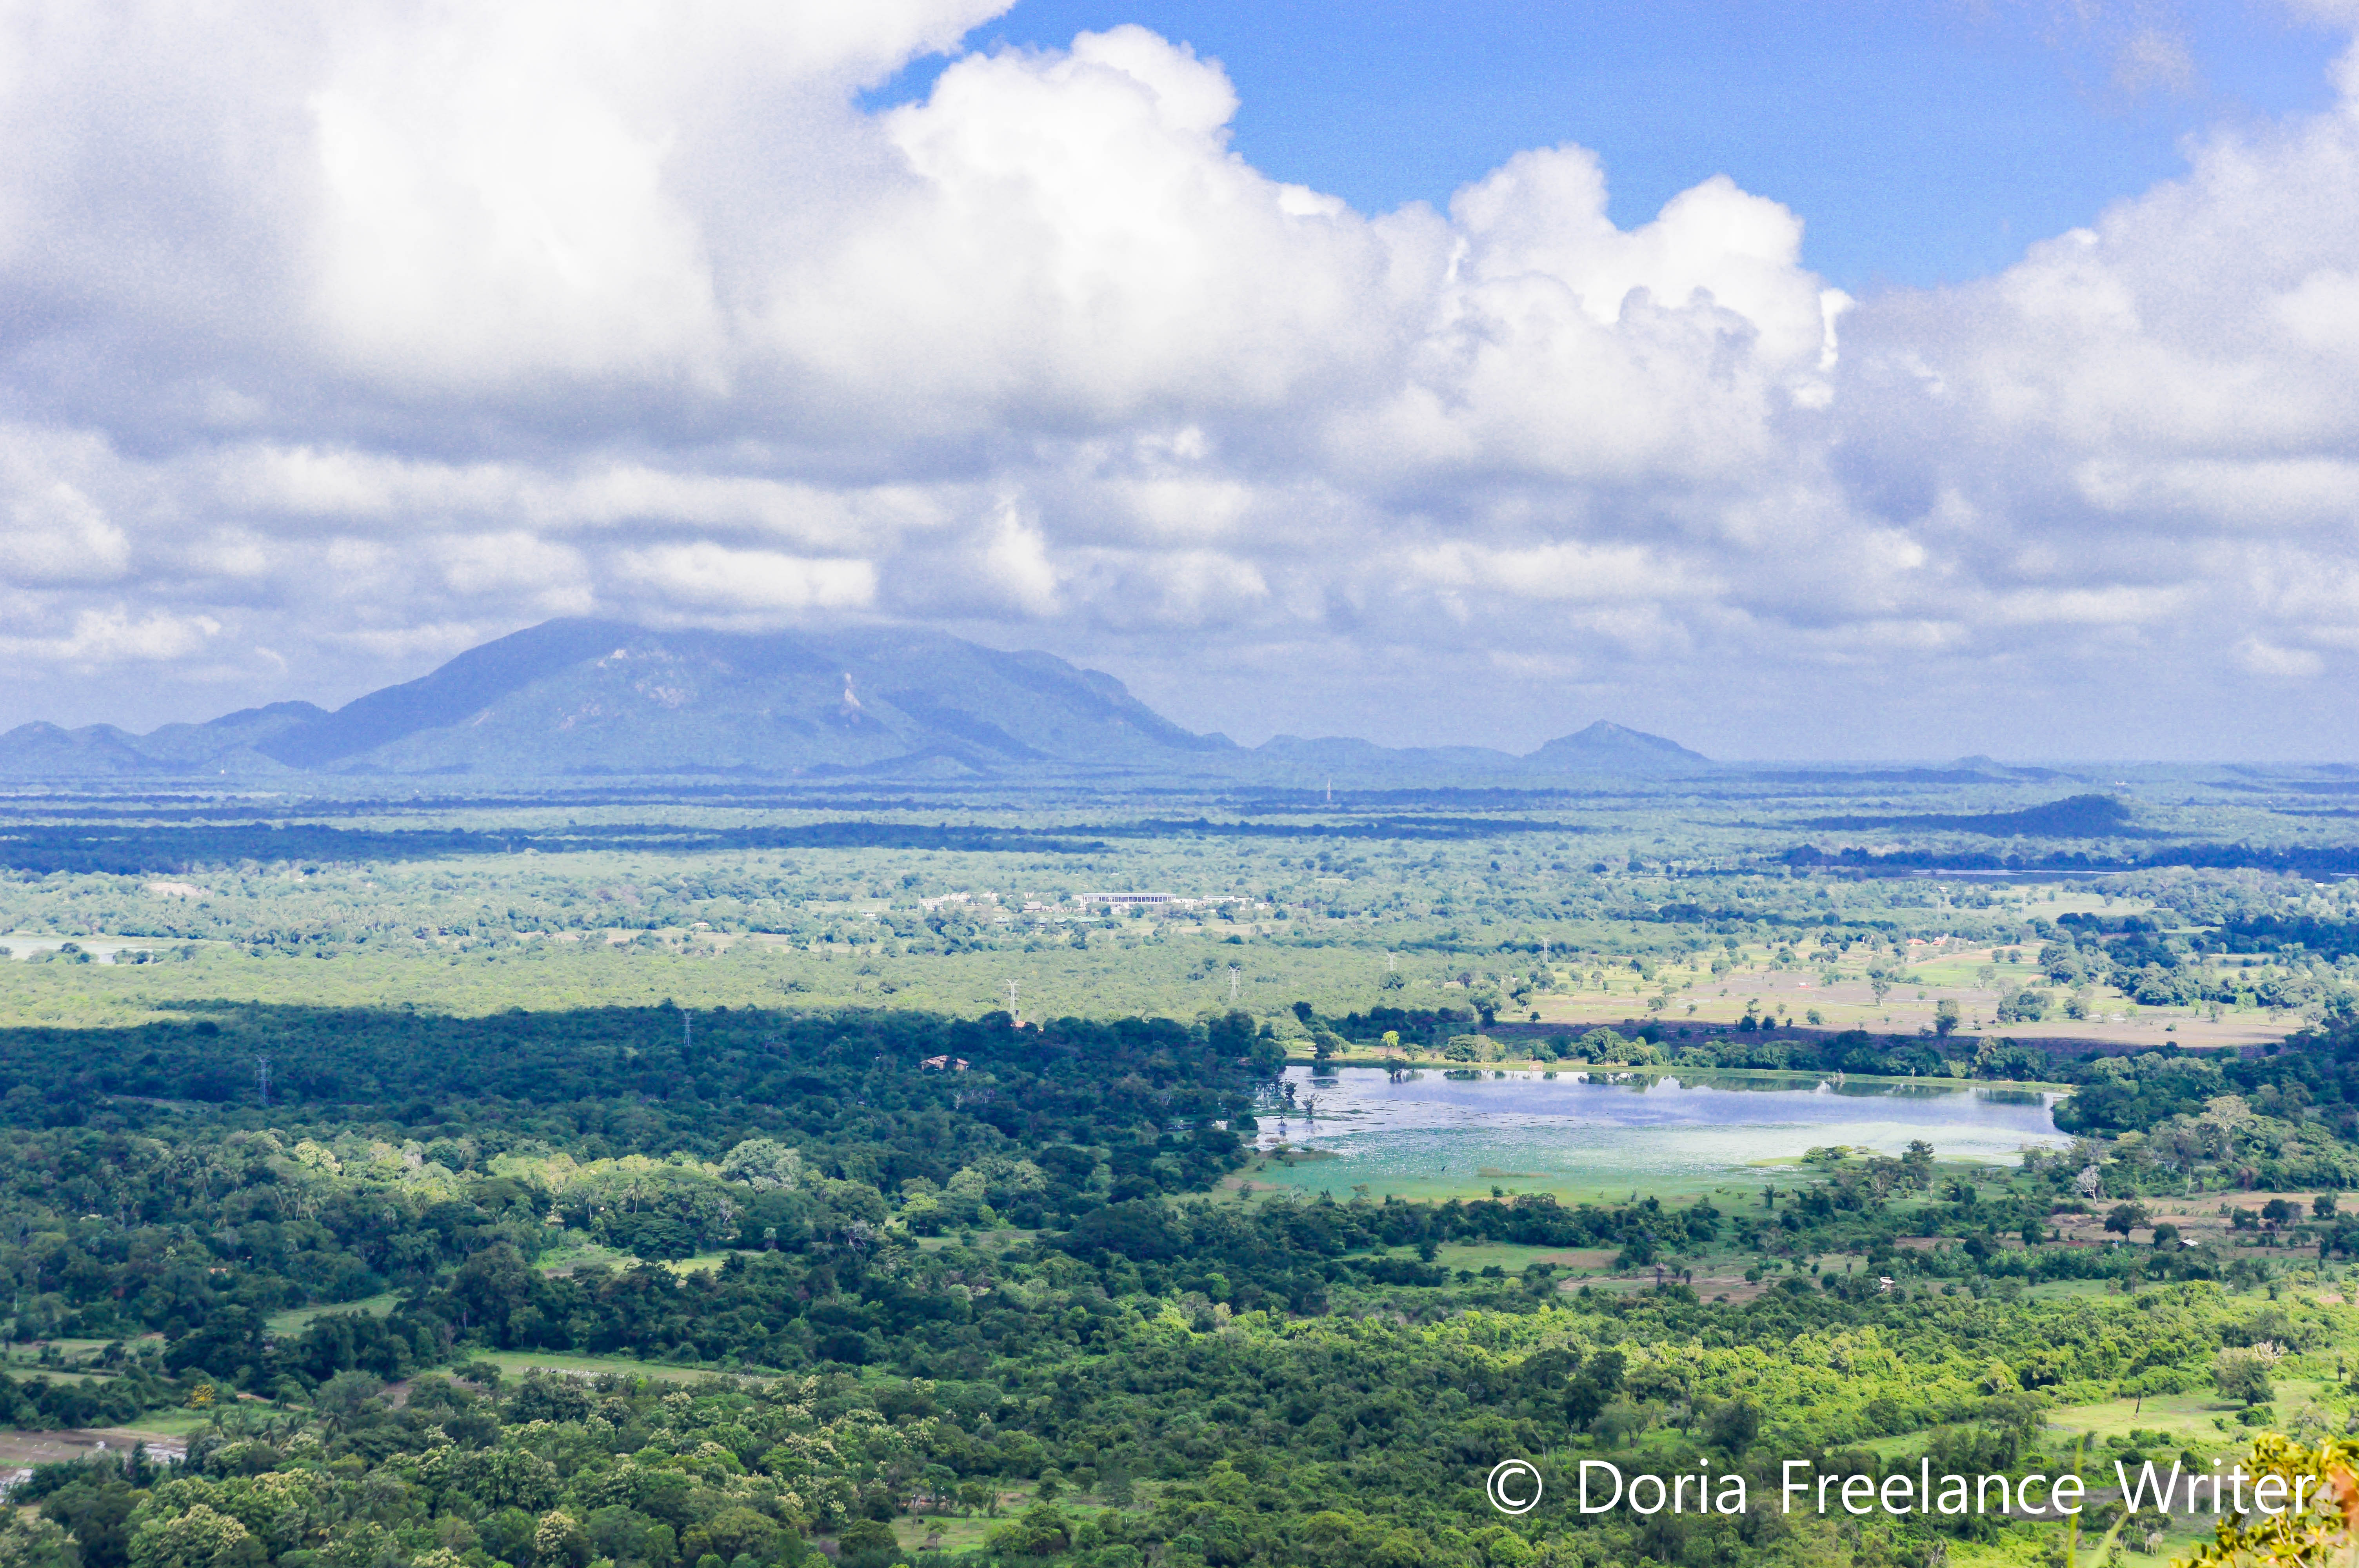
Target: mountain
227,745
1980,766
590,698
583,698
1604,747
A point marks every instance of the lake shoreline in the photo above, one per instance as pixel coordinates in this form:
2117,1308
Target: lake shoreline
1427,1129
1667,1070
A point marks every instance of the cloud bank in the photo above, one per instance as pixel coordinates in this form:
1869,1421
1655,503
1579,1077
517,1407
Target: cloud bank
338,339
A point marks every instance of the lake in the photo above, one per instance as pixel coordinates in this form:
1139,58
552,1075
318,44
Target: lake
1432,1133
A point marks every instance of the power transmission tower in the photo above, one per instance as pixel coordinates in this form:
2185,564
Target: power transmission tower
1233,974
262,1076
1011,1004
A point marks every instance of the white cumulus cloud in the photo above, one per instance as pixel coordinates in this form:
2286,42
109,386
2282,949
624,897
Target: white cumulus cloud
351,334
707,574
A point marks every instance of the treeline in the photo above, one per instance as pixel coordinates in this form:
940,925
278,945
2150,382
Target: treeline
702,1080
2304,862
2277,933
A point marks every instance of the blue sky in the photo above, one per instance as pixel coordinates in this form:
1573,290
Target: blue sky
1922,143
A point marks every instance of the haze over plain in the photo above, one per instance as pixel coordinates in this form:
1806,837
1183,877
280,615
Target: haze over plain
336,345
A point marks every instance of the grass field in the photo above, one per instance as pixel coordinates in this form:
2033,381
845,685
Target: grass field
173,1423
923,1534
577,1252
516,1363
295,1319
1515,1260
702,1263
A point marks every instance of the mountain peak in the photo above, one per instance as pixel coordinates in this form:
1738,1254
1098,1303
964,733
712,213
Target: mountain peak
1607,746
600,697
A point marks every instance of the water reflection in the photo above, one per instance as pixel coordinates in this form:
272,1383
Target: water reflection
1408,1130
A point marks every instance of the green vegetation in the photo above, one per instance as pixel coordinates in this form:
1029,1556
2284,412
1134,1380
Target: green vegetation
690,1193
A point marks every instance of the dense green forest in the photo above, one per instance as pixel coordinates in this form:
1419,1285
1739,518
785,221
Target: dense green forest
1007,1295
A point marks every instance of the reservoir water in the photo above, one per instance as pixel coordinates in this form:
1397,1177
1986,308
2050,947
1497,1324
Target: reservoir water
1432,1133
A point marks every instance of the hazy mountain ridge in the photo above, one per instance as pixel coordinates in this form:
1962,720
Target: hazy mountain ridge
583,698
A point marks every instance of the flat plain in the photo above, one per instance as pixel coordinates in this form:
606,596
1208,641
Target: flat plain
1108,1174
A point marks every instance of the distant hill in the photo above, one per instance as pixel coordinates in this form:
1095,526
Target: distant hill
1291,761
1981,766
2076,817
586,698
1602,749
1613,748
